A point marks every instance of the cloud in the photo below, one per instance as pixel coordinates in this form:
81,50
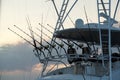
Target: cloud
17,57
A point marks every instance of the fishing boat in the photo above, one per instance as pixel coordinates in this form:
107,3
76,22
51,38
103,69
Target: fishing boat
85,52
90,64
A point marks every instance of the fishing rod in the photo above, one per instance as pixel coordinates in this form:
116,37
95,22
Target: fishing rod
61,40
39,48
45,47
45,28
32,35
50,26
21,37
30,28
53,33
89,29
60,45
53,46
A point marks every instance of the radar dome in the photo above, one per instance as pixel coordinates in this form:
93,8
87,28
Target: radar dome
79,23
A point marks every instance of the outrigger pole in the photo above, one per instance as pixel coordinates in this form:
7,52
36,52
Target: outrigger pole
110,54
104,10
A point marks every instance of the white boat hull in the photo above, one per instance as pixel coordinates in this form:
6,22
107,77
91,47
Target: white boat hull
116,76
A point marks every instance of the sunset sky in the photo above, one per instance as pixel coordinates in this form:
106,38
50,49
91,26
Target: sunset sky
17,61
